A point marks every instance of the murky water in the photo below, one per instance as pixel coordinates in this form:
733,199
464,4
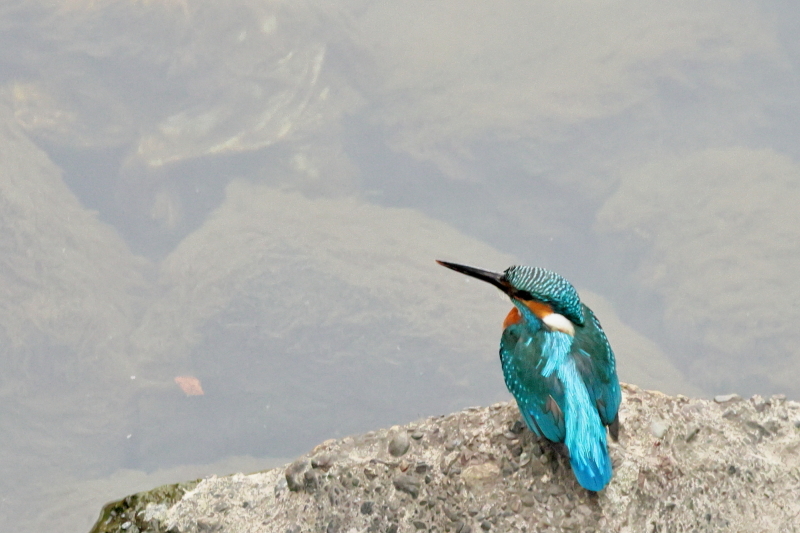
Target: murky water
251,198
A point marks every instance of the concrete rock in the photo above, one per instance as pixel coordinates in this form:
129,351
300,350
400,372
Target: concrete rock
735,473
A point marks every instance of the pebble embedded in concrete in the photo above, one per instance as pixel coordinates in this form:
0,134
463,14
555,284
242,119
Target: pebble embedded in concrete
725,398
407,484
658,428
399,444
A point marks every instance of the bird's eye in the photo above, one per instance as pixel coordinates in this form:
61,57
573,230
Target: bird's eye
524,295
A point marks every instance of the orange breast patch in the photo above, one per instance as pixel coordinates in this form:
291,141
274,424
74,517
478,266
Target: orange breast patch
513,317
537,308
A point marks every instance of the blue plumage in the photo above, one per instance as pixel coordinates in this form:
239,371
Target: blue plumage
559,366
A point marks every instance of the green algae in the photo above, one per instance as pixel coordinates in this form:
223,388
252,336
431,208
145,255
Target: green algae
129,512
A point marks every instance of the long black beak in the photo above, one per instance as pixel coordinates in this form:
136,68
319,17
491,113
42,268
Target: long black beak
498,280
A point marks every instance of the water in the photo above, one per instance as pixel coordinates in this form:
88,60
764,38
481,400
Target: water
254,196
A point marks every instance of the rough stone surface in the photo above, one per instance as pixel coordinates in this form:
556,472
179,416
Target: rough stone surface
475,471
722,398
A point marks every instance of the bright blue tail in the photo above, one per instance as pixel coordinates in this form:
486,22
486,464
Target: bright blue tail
584,432
593,473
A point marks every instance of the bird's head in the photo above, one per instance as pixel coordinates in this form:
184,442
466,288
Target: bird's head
545,294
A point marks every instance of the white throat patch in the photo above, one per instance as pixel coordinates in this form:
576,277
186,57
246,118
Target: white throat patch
558,322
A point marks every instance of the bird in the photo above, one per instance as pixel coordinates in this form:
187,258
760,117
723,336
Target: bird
559,366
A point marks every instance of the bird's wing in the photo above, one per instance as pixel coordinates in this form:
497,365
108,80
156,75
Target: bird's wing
595,361
539,398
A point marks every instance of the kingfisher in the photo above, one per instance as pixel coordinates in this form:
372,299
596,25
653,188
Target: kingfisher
559,366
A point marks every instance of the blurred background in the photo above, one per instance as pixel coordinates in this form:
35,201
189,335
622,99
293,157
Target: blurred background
220,219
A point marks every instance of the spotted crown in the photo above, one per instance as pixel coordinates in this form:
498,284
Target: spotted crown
547,287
